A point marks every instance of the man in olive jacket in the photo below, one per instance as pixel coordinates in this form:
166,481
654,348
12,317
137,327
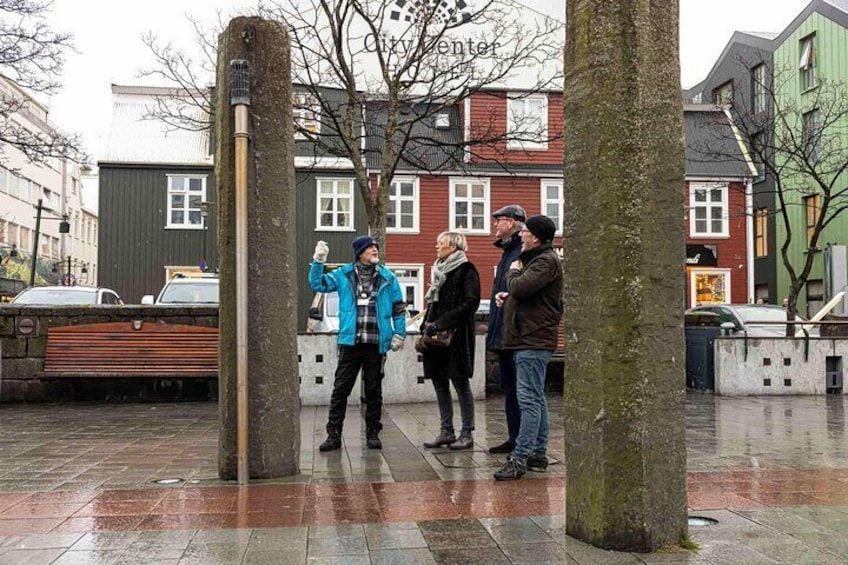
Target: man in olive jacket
532,314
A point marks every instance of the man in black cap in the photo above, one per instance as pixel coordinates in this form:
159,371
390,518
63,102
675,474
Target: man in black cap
533,300
506,222
372,320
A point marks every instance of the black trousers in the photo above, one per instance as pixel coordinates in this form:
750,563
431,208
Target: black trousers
351,359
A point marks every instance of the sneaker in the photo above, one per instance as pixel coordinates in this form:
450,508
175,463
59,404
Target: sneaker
444,439
537,462
513,469
465,441
505,447
373,440
333,442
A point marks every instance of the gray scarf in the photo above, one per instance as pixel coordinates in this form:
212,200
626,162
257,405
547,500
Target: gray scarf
365,273
440,270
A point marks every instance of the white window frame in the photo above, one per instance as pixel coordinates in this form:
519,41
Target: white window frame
318,211
486,230
709,186
560,202
758,88
693,291
307,113
511,127
394,205
185,225
417,283
808,64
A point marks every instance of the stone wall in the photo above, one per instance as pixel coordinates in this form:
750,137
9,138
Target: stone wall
22,351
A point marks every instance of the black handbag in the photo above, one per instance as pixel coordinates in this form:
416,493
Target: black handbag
442,339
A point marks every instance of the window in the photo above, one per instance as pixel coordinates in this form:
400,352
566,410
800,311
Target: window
723,95
25,238
709,286
812,208
708,210
54,247
758,88
761,232
307,115
4,175
185,193
403,205
335,204
812,135
411,281
807,64
469,205
552,201
757,150
527,122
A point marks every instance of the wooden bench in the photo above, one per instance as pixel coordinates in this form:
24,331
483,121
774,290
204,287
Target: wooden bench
132,349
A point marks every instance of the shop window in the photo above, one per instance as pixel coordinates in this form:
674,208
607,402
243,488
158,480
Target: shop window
709,286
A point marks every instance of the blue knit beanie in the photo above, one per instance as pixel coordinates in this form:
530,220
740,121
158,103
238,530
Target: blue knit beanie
361,243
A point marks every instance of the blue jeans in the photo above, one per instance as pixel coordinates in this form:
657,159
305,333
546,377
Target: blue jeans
530,368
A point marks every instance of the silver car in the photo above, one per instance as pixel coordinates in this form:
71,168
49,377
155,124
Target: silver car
66,296
746,318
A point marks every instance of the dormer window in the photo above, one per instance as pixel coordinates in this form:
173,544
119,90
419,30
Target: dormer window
527,122
307,115
807,64
723,95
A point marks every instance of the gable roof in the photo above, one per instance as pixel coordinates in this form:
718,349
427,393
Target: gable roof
758,40
835,10
136,138
713,148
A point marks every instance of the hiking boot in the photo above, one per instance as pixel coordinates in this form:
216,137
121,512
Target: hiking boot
505,447
372,439
513,469
333,441
537,462
465,441
444,439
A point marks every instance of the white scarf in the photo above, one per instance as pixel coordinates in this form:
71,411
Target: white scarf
440,270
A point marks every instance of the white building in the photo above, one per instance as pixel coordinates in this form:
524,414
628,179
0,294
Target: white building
57,184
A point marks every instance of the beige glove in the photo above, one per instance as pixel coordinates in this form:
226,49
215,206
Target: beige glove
321,252
397,342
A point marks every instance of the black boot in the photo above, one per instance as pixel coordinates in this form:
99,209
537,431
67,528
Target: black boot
372,439
333,441
444,439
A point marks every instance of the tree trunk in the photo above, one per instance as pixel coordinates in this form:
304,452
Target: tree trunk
624,269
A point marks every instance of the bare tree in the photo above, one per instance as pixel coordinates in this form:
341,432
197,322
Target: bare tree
31,56
384,70
803,148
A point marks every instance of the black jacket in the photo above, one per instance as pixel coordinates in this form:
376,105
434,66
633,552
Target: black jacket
533,309
458,301
511,250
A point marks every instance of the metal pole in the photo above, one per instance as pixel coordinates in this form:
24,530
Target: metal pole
35,244
240,99
68,274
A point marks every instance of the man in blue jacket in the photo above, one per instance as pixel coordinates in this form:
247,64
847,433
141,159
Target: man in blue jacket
507,222
372,320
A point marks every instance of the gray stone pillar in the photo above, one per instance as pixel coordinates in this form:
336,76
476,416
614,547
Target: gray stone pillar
624,267
272,327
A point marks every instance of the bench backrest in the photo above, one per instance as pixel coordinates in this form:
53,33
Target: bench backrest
124,348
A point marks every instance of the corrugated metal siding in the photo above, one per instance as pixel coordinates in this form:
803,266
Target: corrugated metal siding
134,246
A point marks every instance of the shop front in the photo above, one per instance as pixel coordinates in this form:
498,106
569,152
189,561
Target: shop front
706,283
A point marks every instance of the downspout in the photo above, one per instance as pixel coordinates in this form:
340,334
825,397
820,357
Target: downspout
240,100
749,236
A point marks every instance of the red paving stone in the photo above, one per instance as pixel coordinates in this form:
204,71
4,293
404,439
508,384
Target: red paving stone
286,505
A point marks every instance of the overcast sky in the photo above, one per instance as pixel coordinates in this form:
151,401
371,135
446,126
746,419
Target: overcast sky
107,38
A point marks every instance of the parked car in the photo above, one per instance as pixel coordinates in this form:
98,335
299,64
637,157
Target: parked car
744,318
66,296
187,290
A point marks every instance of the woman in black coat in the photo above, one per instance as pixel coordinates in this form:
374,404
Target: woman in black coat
453,297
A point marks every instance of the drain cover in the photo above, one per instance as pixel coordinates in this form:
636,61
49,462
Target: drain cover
696,521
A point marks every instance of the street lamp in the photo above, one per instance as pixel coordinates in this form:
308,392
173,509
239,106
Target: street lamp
64,227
